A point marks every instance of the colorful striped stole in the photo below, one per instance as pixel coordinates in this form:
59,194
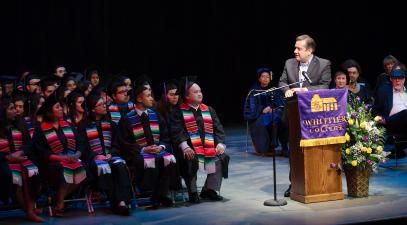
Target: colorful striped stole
53,140
117,159
138,132
94,140
205,151
103,167
74,173
137,127
149,159
115,111
17,168
4,148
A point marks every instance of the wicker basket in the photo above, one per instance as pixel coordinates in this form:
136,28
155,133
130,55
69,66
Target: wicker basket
357,181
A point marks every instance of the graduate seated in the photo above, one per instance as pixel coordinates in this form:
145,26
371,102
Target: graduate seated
106,166
59,147
196,129
143,141
18,173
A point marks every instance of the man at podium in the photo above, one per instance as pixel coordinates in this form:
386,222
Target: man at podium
304,62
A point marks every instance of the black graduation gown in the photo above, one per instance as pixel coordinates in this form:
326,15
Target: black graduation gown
51,171
155,179
116,185
180,134
34,183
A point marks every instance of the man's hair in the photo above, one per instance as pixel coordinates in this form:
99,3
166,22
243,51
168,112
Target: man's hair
351,63
390,59
309,41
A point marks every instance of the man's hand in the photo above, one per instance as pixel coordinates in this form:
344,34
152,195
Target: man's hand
17,157
189,154
220,149
289,93
268,109
152,149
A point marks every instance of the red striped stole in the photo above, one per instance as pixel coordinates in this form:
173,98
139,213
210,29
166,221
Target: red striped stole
53,140
205,151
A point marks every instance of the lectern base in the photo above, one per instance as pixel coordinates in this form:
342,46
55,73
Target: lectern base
317,198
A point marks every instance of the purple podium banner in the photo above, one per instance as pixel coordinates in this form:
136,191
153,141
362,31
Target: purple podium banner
322,117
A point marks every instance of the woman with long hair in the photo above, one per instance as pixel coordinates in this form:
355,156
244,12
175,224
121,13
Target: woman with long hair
17,171
59,148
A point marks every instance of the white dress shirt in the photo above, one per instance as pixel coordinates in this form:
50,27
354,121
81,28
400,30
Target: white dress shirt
399,101
303,67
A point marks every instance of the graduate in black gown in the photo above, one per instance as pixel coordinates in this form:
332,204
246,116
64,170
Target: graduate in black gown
197,131
76,109
168,102
121,104
17,170
143,141
109,169
59,148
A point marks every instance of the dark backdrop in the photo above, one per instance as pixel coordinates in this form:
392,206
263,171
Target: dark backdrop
221,42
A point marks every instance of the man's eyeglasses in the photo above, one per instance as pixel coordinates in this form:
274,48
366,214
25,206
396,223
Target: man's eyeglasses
34,84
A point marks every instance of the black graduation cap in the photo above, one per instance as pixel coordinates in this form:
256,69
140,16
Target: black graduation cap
48,81
169,85
92,100
140,85
186,83
48,104
30,77
19,95
77,77
66,79
91,70
113,86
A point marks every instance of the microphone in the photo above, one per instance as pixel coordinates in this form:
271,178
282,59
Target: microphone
305,74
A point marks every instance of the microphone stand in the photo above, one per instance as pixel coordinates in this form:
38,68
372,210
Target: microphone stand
274,201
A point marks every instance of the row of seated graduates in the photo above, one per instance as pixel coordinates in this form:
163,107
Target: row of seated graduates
31,107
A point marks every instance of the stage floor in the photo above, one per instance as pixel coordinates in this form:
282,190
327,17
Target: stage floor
251,183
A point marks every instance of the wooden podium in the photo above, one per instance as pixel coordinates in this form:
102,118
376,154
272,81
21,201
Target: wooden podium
312,178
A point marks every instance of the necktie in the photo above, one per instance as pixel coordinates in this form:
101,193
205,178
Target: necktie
146,127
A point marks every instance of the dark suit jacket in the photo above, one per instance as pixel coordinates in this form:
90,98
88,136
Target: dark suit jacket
383,101
319,71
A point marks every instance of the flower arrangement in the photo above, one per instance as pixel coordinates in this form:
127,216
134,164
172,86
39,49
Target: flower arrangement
364,138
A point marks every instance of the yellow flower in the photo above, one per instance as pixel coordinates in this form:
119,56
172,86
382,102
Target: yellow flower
354,163
377,118
362,125
379,149
351,122
347,137
347,151
369,150
363,149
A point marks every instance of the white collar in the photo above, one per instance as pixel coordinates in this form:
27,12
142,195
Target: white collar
404,90
139,112
195,107
308,62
